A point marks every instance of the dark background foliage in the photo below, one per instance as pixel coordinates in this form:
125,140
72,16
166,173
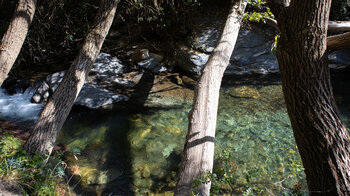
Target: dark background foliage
59,26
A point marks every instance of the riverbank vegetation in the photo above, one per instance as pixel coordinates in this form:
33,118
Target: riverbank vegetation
29,175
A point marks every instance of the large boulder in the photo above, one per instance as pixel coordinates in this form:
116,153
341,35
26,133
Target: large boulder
105,70
94,97
252,53
93,94
153,65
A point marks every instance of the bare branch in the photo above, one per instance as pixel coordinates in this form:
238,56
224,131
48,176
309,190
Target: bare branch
338,42
339,26
272,22
335,42
334,26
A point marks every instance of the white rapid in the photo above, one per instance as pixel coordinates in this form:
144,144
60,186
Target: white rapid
17,107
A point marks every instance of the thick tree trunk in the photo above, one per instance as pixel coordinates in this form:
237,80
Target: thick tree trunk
15,35
321,136
198,153
56,110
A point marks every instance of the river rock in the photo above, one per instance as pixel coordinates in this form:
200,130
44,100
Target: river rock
104,71
55,79
165,93
339,60
93,97
153,65
139,55
42,93
95,176
244,92
252,53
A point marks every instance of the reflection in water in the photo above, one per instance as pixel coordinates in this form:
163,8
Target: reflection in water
138,152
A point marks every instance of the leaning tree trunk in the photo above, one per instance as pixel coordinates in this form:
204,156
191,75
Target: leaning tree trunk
198,153
321,136
56,110
15,35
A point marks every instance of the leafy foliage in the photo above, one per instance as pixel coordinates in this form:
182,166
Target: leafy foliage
57,30
34,176
274,45
256,11
159,10
158,18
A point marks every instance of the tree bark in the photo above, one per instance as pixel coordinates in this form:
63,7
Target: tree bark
321,136
56,110
198,152
15,35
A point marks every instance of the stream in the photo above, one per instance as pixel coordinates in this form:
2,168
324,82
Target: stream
138,151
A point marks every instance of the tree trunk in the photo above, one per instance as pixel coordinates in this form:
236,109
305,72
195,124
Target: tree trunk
198,153
15,35
56,110
321,136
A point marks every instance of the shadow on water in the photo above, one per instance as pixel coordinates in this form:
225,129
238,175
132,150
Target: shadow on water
120,140
144,144
111,152
102,138
142,90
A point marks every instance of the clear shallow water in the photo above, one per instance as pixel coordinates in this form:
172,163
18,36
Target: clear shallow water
144,146
137,152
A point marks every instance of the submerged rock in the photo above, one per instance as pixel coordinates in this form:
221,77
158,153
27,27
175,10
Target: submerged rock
244,92
95,176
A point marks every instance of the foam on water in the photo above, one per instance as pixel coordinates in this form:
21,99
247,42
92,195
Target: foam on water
18,107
